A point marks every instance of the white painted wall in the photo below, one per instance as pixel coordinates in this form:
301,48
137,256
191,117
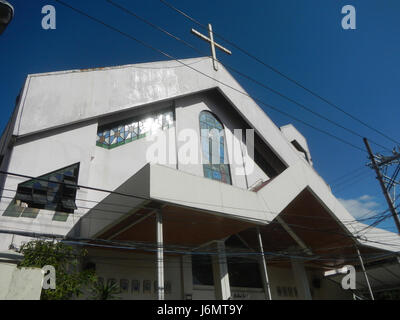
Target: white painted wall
291,133
41,155
18,283
57,121
136,266
188,111
70,103
279,277
87,94
102,168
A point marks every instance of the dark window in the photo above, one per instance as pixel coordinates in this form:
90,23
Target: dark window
244,272
202,270
264,165
300,148
54,191
266,158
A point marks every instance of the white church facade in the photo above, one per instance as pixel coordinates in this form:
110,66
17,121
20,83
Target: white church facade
118,159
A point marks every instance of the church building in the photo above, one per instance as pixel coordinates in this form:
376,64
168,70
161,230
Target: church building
180,187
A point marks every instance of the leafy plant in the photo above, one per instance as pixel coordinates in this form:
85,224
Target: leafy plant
105,291
70,281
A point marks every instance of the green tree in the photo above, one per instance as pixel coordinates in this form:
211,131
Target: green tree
70,281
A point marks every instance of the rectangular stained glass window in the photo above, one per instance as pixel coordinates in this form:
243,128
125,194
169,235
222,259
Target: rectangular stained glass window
129,130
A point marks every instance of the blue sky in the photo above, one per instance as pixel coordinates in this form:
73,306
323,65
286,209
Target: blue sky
356,69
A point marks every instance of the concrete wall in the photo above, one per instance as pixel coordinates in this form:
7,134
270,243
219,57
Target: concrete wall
19,283
292,134
44,152
56,125
327,290
135,266
48,151
188,111
57,120
283,286
40,155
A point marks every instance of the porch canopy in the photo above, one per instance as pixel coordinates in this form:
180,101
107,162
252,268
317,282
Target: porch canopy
197,211
305,230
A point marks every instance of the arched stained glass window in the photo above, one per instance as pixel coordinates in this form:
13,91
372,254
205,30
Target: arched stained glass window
213,148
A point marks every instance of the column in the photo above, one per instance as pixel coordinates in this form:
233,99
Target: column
187,277
300,276
263,268
160,256
220,272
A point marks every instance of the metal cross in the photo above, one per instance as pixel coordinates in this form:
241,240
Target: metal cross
213,45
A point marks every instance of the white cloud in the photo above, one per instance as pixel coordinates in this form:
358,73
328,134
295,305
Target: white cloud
362,207
365,197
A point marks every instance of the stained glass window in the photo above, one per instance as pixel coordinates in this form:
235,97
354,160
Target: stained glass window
126,131
55,191
213,148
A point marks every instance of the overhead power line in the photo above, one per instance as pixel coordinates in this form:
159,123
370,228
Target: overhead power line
150,199
152,247
347,174
242,74
385,190
350,179
171,57
275,70
80,215
145,44
345,234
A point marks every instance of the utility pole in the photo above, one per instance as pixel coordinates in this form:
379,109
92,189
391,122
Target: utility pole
382,183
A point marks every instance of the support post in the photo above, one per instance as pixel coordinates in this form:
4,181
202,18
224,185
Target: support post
263,267
220,273
187,277
160,256
383,187
365,273
301,279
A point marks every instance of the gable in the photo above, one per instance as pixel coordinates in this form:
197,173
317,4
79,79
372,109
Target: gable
58,99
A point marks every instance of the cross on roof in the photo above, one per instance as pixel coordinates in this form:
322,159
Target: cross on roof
213,45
